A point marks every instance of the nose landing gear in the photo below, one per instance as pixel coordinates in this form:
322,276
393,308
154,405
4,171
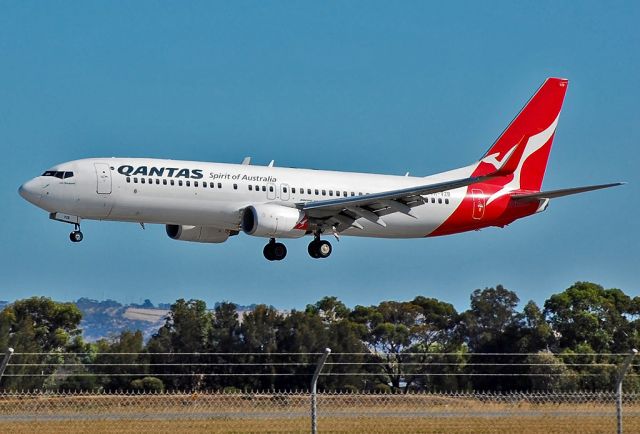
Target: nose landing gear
274,251
319,249
76,236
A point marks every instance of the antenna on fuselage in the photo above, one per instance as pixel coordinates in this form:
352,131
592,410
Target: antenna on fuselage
246,161
271,164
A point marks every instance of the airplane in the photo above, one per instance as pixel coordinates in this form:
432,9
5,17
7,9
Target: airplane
210,202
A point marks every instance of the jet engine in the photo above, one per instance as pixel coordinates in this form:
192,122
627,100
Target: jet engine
271,220
200,234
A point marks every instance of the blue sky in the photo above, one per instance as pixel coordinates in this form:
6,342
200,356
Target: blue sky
359,86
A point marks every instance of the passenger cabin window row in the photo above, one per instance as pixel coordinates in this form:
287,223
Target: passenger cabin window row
250,187
58,174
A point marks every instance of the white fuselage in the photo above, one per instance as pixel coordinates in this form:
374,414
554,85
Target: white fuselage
215,194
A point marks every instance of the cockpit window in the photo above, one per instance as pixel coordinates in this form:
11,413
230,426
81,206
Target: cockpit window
58,174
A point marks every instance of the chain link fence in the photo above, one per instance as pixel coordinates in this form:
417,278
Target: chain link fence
289,412
46,410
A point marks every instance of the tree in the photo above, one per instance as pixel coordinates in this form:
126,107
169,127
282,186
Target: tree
54,324
602,318
224,339
389,330
38,325
329,309
493,312
259,337
493,327
187,329
122,360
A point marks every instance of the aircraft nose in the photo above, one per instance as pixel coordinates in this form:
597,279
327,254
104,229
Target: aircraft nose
31,191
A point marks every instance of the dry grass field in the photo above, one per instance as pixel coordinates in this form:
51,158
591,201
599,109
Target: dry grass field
290,413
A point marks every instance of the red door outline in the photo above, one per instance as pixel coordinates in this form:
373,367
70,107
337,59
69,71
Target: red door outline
479,203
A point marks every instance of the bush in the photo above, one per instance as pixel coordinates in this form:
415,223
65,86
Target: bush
148,384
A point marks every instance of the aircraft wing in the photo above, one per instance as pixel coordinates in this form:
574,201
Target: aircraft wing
343,212
564,192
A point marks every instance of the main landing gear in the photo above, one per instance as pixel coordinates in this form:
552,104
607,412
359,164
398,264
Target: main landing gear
76,236
319,249
274,251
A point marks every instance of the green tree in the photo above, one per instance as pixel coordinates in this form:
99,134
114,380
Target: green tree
224,340
493,327
122,359
38,325
588,313
186,330
260,336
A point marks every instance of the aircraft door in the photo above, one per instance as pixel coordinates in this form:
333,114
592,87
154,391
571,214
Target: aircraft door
271,191
479,203
284,192
103,174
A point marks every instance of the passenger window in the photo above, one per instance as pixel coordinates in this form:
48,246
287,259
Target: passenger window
188,183
195,183
293,190
235,186
164,182
317,192
157,181
439,200
359,193
142,180
219,185
180,183
128,179
250,187
353,193
284,189
211,185
135,180
308,191
264,188
173,182
330,192
271,188
344,193
257,188
446,201
433,200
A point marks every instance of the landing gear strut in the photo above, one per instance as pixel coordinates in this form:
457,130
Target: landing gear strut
274,251
319,249
76,236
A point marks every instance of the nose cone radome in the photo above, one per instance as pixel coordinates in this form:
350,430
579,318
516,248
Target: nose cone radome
31,191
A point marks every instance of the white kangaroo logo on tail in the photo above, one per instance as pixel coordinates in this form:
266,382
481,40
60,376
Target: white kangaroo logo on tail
534,143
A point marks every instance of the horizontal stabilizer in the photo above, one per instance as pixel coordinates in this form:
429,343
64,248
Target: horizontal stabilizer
564,192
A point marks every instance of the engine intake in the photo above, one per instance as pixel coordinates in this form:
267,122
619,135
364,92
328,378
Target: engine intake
271,220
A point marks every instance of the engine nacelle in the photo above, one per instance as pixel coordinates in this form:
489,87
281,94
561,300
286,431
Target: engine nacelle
199,234
271,220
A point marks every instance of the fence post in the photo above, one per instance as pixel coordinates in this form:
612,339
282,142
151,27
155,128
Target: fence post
5,361
621,374
314,383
